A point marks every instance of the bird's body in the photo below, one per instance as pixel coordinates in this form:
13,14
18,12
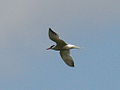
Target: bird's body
63,47
66,47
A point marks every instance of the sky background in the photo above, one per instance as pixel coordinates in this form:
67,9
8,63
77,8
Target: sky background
25,64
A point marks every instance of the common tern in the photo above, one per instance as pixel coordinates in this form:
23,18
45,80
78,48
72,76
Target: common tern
63,47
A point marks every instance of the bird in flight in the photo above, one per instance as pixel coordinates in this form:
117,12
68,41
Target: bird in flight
63,47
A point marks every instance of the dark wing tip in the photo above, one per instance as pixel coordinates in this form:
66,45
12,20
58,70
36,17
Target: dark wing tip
50,30
72,65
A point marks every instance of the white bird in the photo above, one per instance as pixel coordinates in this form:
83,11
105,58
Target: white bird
63,47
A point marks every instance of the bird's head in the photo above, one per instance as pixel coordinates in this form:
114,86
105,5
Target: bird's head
51,47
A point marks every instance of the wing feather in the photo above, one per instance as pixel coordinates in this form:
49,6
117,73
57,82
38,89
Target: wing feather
55,37
65,54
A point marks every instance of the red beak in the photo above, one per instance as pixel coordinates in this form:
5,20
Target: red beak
48,48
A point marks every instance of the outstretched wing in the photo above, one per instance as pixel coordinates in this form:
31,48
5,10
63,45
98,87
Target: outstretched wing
65,54
55,37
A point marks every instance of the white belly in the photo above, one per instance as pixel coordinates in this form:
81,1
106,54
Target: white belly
69,46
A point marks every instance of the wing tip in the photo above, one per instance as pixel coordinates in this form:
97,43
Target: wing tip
72,65
50,30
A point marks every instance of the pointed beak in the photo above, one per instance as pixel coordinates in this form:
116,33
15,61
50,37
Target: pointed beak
48,48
